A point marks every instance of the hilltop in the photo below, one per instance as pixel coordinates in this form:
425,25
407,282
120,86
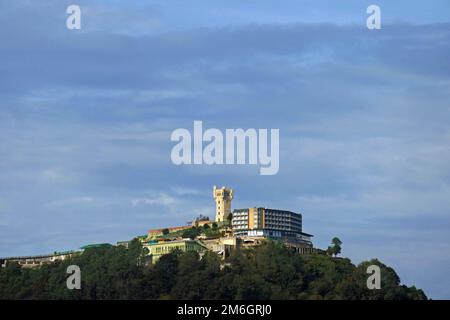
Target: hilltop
267,271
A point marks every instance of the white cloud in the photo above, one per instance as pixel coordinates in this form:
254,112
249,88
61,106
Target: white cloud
161,198
183,191
76,201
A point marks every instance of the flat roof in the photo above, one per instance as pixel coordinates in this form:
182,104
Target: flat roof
283,210
307,234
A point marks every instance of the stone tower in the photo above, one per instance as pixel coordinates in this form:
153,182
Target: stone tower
223,199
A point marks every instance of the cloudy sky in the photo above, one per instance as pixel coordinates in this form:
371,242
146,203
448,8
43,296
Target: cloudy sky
364,118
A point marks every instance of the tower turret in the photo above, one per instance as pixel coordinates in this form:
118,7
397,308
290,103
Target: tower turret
223,197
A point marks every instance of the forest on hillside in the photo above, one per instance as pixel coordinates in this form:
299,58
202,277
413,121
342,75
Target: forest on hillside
269,271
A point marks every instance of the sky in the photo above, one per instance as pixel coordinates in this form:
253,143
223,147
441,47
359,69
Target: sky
364,117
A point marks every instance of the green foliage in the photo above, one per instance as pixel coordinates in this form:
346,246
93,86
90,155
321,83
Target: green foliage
206,230
165,231
192,233
269,271
336,248
212,233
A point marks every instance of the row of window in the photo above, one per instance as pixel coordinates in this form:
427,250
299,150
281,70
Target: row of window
270,225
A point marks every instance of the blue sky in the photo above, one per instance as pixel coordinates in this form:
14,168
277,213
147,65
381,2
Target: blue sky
86,117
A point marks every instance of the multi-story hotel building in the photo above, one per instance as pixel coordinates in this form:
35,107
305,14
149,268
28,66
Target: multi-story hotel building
272,223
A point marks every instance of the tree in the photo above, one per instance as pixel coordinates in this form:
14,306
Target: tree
212,233
165,231
202,218
267,271
191,233
336,248
336,241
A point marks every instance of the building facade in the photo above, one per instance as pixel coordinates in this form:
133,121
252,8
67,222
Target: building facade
38,260
155,233
223,197
272,223
157,249
223,246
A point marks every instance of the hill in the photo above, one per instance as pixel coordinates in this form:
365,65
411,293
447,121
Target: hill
269,271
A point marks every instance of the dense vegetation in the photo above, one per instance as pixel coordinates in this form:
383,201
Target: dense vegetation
269,271
206,230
